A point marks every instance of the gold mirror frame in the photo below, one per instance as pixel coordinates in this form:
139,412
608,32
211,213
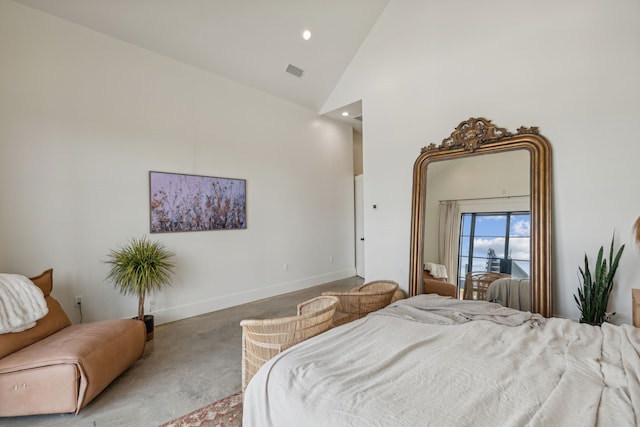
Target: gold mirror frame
477,136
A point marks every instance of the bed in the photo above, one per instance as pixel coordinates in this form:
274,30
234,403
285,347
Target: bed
432,360
514,293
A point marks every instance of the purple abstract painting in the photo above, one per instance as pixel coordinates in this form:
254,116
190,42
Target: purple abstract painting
181,202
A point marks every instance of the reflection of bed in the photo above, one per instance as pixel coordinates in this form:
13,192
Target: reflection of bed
476,284
513,293
455,363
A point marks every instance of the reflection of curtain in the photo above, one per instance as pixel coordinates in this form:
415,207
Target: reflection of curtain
448,236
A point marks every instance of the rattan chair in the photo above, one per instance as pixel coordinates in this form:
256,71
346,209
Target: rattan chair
382,285
477,283
362,300
264,338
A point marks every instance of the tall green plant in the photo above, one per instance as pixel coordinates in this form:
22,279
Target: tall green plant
593,295
140,267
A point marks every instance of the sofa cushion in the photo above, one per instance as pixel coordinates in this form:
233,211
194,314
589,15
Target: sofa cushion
44,281
94,353
55,320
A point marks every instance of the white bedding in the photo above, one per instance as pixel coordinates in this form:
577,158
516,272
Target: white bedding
471,368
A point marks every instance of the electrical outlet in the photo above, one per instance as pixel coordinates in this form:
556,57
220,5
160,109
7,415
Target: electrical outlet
78,300
285,267
331,258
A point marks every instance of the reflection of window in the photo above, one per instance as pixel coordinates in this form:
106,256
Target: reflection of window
495,241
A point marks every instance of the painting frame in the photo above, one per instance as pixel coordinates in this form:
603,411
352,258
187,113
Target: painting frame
180,202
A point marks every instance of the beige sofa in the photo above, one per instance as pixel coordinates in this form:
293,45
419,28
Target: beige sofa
56,367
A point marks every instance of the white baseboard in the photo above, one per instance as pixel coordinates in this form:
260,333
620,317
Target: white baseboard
172,314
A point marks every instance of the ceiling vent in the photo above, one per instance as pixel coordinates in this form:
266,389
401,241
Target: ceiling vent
295,71
358,118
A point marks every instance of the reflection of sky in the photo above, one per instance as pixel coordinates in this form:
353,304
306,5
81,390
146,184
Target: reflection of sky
481,265
518,247
495,225
489,234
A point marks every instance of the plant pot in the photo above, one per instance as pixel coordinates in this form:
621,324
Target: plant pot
148,322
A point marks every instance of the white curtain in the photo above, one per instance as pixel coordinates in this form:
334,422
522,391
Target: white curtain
448,237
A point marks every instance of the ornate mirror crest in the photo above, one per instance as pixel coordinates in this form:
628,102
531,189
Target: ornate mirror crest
478,136
474,132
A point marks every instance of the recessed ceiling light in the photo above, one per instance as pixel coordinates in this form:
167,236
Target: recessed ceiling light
345,114
306,34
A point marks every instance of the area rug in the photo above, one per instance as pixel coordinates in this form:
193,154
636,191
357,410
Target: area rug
226,412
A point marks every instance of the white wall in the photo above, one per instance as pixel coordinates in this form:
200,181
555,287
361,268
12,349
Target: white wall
84,117
570,67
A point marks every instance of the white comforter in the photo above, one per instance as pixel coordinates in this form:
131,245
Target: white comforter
473,367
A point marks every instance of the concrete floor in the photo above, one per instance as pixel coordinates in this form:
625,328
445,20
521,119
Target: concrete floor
188,364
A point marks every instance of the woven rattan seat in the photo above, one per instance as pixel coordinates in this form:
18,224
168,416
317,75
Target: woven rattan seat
264,338
477,283
362,300
382,285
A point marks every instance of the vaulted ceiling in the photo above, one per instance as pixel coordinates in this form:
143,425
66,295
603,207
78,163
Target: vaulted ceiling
252,42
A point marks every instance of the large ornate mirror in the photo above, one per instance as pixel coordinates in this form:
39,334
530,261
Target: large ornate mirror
485,169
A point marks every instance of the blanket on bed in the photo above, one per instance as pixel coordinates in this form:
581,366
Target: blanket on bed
432,308
396,369
21,303
514,293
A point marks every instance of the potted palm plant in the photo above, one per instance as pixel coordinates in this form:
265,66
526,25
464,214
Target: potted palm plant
593,294
137,269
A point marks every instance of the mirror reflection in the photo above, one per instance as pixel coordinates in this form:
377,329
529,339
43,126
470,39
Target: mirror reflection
477,220
481,217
